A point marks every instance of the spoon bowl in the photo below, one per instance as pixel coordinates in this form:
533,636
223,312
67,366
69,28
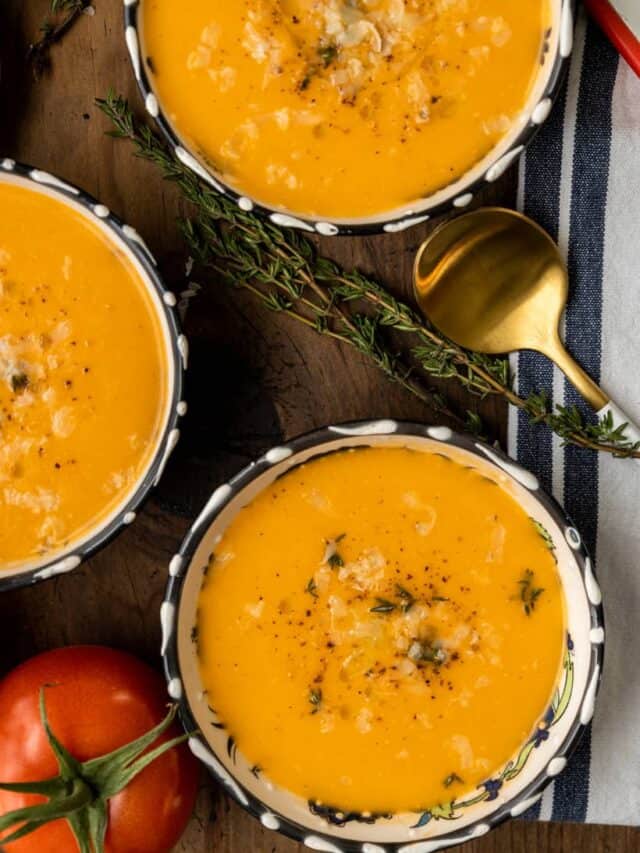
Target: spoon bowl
493,281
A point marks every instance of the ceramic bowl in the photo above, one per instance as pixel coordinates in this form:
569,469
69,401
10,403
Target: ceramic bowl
455,196
125,239
507,793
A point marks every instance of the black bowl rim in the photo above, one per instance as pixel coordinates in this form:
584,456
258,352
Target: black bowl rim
72,556
459,200
182,563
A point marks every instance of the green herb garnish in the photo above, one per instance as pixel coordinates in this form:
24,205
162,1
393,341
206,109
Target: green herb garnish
423,652
544,534
383,606
327,53
312,588
407,600
334,559
529,593
315,698
19,382
451,778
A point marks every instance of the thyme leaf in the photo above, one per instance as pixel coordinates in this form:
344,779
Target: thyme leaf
312,588
451,778
406,598
545,535
315,698
327,53
383,606
19,381
529,593
425,652
333,558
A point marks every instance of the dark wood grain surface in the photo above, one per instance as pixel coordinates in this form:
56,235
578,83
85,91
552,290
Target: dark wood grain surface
255,378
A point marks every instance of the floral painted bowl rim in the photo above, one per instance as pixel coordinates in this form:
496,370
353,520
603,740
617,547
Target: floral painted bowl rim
125,238
359,434
452,197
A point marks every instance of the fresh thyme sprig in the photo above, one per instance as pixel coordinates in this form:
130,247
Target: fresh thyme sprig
282,268
62,16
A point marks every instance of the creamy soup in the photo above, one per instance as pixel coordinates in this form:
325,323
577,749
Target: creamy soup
381,629
82,375
338,108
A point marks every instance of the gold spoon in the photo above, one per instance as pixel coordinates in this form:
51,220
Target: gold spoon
493,281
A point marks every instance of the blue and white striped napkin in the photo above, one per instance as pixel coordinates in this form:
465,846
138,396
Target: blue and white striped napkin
581,181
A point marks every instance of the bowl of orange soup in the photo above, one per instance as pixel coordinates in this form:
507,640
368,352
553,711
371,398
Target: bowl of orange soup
383,637
339,116
91,363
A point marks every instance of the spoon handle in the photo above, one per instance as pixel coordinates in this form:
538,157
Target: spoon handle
587,388
579,378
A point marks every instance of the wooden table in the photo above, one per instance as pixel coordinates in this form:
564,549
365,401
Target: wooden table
255,378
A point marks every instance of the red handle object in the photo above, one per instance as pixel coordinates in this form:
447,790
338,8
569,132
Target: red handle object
609,15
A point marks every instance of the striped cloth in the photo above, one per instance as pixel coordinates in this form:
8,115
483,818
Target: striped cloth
581,181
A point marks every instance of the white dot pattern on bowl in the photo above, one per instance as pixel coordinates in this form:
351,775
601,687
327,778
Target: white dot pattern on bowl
463,200
286,221
167,622
270,821
207,757
151,105
174,688
524,477
277,454
183,347
314,842
524,805
440,433
384,427
542,110
61,567
327,229
45,178
589,702
403,224
500,166
566,30
556,765
172,440
442,843
591,584
176,564
573,538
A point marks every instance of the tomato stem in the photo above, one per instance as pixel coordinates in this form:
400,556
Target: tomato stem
81,791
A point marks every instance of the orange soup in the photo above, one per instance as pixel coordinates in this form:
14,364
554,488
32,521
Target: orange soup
82,375
381,629
343,109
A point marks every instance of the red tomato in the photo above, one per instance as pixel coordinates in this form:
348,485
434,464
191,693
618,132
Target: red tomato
100,699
